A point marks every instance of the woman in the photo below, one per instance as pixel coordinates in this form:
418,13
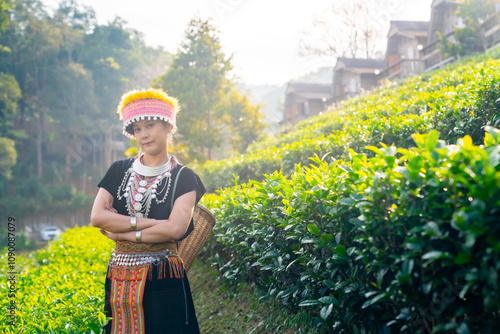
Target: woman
146,289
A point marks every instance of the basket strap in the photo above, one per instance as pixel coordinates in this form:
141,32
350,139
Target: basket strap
177,242
175,186
172,201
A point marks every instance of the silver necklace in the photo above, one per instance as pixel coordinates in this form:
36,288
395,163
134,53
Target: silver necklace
139,193
148,171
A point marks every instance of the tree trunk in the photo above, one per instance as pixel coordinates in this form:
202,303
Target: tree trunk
39,141
108,149
22,127
67,171
208,127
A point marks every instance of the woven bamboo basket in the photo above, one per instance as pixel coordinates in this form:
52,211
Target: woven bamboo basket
203,221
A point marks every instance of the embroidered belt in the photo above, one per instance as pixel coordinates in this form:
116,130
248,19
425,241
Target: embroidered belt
129,255
130,265
133,247
130,260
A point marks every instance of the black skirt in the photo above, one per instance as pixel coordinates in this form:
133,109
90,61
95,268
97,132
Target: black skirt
168,306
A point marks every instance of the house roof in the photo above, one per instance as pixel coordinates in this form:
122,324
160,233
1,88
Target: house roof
309,90
359,65
436,3
410,25
408,28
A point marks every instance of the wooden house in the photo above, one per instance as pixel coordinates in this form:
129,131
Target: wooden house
352,75
303,100
404,42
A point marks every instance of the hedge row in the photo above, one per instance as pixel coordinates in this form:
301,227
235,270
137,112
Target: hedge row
60,288
407,241
456,101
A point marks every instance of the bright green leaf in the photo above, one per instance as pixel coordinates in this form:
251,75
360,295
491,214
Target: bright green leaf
313,229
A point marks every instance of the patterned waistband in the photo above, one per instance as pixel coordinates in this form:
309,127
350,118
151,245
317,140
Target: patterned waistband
128,257
130,254
133,247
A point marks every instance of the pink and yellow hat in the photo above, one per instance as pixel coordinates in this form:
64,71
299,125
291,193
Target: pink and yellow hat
144,104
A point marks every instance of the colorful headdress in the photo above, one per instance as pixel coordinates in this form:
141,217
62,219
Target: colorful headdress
148,103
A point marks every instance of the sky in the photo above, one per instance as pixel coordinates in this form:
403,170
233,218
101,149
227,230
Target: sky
261,35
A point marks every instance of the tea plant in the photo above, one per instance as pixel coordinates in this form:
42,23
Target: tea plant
407,241
60,289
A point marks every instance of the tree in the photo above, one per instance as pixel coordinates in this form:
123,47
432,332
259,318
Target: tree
209,101
349,28
110,54
196,77
34,43
61,77
5,8
10,93
243,119
470,38
8,155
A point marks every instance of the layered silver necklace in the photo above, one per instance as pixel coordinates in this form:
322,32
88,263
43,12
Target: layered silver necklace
139,192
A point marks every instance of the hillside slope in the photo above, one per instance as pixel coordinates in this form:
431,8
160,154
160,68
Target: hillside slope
457,100
380,217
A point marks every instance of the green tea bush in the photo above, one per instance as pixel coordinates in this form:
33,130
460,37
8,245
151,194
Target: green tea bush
404,241
456,101
59,289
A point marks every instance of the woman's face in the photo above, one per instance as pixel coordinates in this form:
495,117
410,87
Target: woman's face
151,135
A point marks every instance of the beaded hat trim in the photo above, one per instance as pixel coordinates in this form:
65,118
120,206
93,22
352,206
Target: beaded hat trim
151,104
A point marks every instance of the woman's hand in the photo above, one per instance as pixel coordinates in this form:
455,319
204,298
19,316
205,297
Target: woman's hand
104,216
110,235
109,207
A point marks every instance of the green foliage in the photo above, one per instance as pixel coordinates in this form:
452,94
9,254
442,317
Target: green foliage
5,7
448,48
475,10
196,77
10,93
23,241
222,307
406,240
62,191
60,81
8,157
244,120
60,289
456,101
377,235
470,38
43,199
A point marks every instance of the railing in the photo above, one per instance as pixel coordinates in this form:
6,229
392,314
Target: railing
402,68
491,30
344,96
